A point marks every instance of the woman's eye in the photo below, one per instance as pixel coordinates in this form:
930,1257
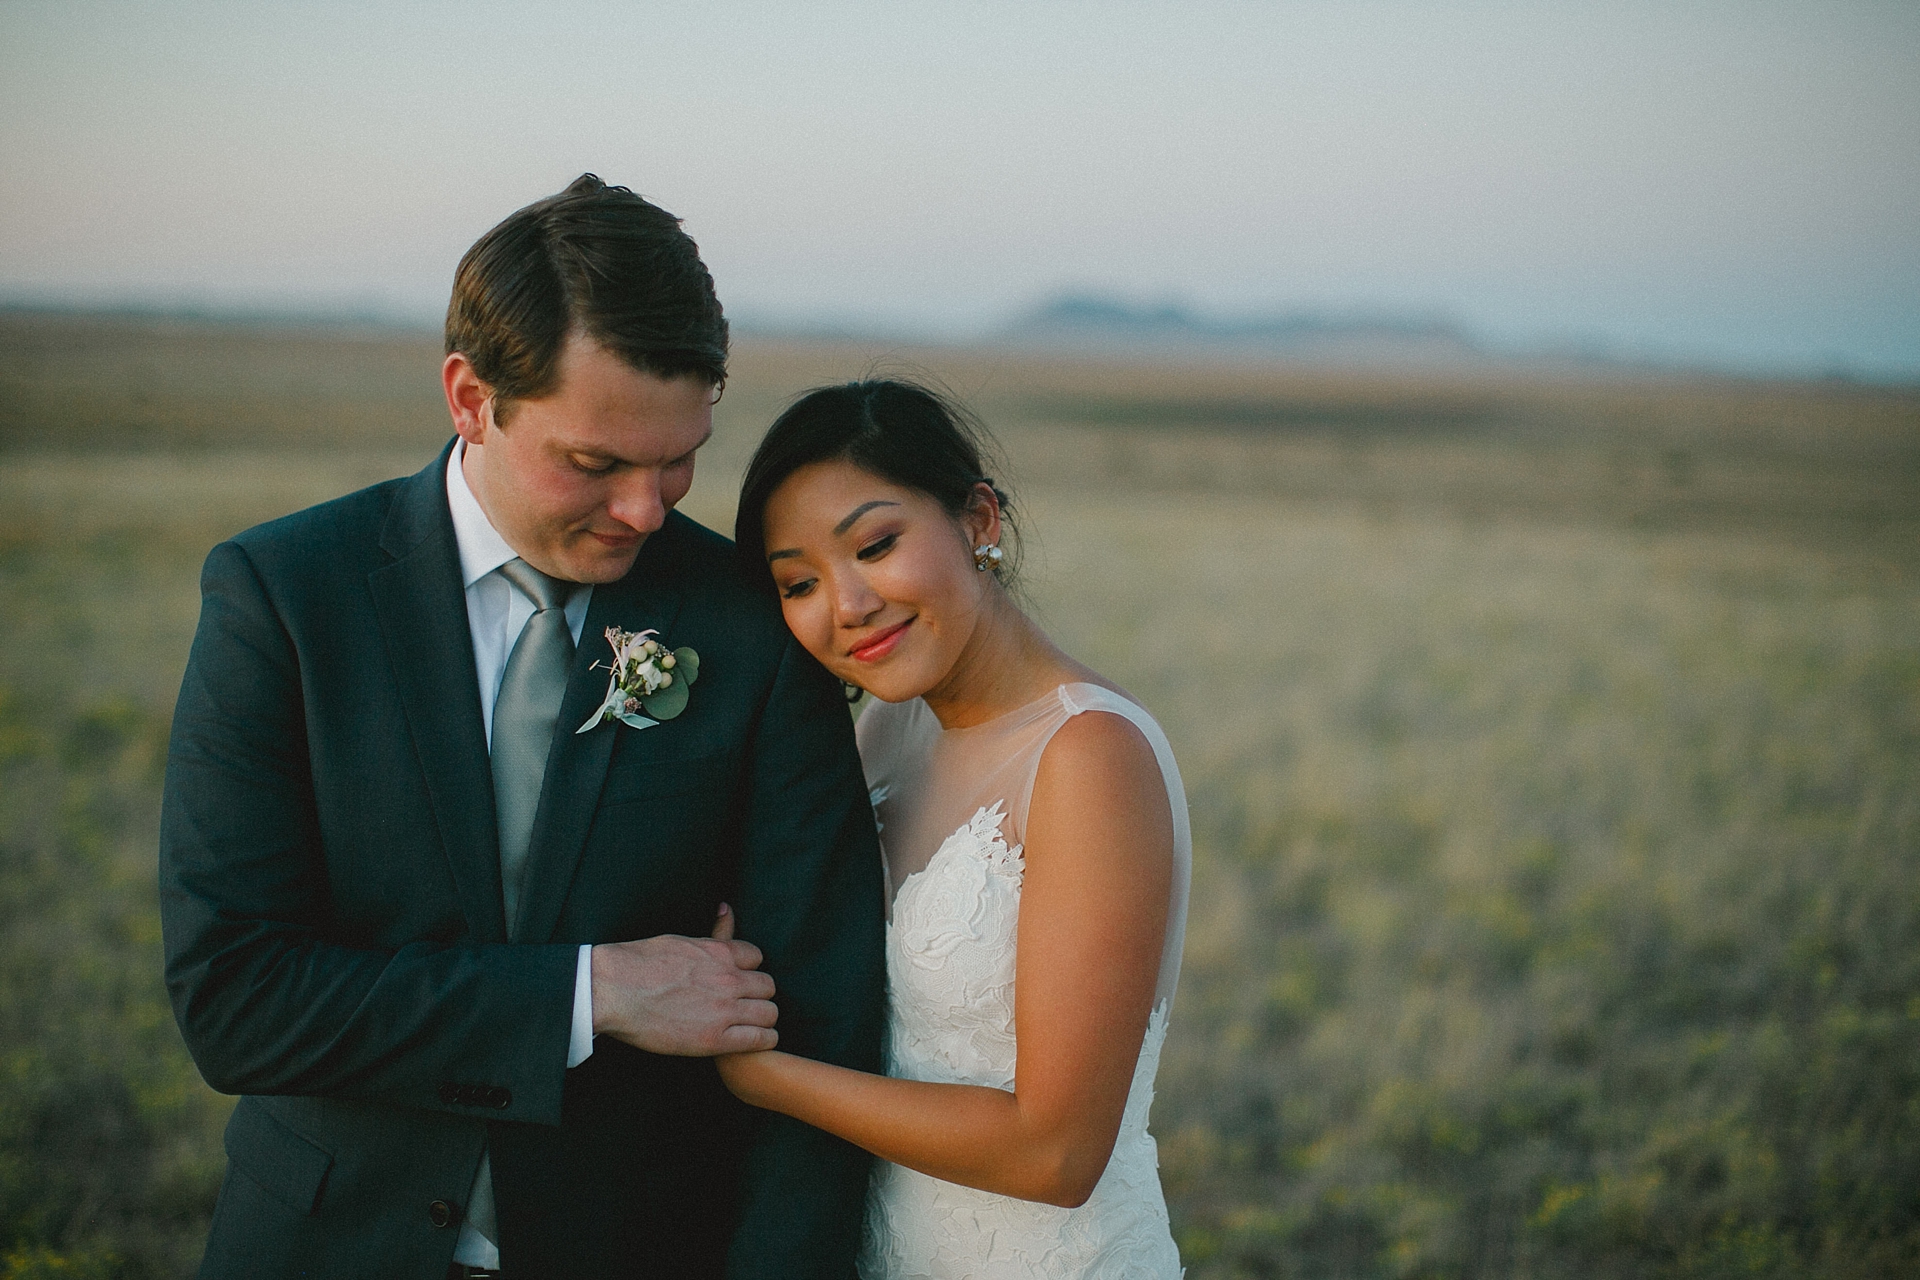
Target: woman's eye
794,590
878,547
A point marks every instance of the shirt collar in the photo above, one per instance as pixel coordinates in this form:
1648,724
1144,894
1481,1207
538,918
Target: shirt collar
482,549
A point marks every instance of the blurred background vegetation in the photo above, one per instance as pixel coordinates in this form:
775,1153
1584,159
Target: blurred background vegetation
1553,742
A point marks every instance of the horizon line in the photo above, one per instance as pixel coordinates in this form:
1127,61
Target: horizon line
1198,335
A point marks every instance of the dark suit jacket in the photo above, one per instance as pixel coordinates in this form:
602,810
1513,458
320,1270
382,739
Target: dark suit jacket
335,946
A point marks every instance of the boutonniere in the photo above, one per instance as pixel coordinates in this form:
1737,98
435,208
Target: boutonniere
649,679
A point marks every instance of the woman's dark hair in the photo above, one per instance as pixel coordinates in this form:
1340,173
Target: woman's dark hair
895,429
595,259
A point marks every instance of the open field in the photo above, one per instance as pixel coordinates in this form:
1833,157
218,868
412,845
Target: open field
1553,744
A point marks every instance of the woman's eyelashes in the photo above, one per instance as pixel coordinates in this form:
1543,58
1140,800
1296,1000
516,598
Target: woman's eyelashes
794,590
878,547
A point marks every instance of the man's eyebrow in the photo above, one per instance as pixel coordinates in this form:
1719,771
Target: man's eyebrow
859,511
593,451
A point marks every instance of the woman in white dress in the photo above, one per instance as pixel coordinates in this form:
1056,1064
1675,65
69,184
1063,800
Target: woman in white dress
1028,808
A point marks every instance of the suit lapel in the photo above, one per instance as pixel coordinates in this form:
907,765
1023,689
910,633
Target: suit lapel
649,597
423,620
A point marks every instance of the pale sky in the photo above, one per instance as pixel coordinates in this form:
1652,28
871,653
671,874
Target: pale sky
1731,182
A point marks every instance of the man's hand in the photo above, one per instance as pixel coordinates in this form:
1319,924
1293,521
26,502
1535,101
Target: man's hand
692,997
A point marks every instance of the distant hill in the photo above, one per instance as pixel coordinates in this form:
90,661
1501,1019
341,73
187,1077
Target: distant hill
1094,324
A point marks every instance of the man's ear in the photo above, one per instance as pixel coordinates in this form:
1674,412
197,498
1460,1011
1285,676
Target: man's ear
467,398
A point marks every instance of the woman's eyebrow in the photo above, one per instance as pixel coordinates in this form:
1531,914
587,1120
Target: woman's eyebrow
857,512
838,529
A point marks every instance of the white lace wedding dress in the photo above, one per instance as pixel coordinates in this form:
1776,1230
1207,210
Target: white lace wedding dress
952,806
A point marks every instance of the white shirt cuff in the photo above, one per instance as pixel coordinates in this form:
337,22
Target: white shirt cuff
580,1043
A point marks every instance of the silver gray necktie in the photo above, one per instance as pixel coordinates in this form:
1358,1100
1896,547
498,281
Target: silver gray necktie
523,718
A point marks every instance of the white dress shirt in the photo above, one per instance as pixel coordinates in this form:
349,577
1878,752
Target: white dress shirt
497,611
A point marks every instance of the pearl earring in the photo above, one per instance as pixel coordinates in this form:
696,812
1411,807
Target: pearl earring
987,556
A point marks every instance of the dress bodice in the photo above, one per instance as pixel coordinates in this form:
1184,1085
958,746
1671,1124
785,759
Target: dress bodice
928,782
952,806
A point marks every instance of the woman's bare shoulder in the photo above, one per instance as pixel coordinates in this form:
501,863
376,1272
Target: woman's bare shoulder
1100,809
1098,760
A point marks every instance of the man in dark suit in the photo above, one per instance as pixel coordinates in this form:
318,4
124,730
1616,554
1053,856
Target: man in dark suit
387,854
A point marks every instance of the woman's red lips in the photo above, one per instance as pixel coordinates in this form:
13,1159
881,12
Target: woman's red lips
880,644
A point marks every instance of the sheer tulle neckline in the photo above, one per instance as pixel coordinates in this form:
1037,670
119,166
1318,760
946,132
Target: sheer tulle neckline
1058,693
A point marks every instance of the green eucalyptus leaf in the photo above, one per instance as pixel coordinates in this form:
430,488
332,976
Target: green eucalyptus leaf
685,660
669,702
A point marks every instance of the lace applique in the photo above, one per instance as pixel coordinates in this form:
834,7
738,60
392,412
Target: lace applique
950,960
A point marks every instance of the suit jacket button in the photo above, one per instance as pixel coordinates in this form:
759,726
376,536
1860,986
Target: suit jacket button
440,1213
449,1092
499,1098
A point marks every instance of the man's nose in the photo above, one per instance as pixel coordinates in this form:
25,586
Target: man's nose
637,501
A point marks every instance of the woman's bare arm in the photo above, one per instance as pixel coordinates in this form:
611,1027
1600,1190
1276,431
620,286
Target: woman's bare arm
1099,854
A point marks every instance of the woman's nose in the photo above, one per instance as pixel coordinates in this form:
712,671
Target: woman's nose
854,600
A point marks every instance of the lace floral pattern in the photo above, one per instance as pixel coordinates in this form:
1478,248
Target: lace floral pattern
950,969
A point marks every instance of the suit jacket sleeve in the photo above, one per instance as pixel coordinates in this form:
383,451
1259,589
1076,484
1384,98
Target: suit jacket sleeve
270,997
810,898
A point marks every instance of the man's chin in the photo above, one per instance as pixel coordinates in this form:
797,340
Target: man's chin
598,562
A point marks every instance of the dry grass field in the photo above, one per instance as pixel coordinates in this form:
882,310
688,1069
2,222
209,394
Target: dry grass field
1553,743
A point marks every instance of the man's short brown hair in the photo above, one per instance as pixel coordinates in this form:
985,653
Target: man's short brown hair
597,260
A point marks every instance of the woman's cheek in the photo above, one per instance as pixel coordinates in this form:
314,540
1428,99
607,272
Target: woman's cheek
811,626
900,580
